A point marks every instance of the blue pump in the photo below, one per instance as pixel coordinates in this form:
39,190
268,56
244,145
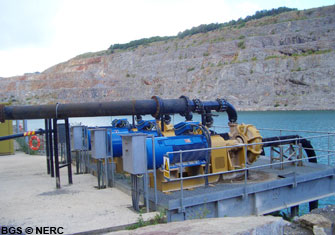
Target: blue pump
176,143
122,126
182,141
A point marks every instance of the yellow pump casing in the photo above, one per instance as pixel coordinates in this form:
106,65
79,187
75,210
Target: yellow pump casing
247,134
234,158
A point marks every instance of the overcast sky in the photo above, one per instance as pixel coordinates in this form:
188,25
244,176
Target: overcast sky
37,34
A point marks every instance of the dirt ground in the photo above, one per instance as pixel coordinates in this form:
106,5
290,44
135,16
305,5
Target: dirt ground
28,197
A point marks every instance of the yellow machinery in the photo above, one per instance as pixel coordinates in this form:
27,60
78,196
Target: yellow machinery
221,159
7,146
228,153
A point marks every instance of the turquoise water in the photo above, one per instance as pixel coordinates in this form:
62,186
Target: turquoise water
291,120
297,120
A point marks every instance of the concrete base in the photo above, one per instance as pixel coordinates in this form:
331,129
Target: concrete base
28,197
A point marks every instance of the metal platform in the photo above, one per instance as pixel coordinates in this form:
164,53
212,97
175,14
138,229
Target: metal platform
266,190
279,189
270,184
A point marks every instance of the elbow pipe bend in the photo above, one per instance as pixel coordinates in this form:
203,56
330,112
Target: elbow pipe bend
232,114
224,105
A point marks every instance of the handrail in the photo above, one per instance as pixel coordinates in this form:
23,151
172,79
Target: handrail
330,153
244,169
287,130
241,145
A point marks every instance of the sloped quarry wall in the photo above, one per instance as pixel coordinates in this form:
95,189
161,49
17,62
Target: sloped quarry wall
285,62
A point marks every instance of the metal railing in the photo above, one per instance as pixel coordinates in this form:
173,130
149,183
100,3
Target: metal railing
294,158
296,161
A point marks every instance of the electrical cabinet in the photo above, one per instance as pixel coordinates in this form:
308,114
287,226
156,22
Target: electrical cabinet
99,143
61,133
134,153
79,138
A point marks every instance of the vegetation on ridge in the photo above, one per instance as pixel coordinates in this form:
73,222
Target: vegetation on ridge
204,28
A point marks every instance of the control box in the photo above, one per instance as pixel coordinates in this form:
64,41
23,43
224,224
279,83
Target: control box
79,140
134,153
61,133
99,143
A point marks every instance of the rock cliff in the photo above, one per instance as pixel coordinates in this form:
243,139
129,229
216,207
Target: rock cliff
283,62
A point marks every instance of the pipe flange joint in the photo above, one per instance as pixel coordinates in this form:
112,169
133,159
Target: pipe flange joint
198,106
159,107
188,105
222,105
2,113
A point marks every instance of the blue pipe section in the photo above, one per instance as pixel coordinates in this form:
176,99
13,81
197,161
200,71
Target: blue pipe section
231,111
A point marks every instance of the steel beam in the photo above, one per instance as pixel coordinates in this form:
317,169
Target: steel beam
46,123
68,150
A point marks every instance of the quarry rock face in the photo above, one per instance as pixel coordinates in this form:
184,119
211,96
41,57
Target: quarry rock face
283,62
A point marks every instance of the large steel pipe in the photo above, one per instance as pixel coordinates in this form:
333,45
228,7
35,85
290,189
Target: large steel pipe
155,106
62,111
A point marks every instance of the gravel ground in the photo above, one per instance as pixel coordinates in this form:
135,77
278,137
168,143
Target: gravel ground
28,197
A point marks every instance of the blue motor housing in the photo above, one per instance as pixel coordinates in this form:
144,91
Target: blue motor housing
176,143
162,144
116,139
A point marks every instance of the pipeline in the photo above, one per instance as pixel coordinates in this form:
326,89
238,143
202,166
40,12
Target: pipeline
291,139
156,106
23,134
296,139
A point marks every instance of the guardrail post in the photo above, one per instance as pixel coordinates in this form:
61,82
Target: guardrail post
113,165
300,155
281,157
271,156
245,171
154,170
181,183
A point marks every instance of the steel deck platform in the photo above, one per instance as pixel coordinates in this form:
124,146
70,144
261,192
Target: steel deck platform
267,190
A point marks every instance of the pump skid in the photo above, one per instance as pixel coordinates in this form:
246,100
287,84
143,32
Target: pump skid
171,157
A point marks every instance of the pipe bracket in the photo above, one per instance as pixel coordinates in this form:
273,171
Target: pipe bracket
160,107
